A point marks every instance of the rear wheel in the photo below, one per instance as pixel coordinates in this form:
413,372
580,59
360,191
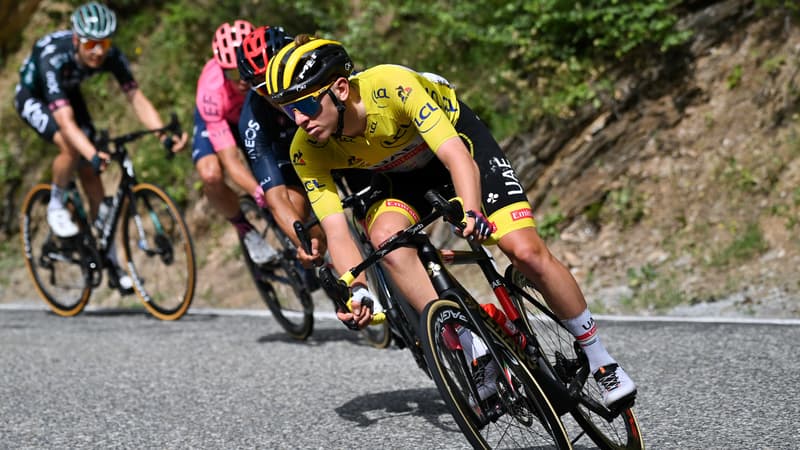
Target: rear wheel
567,361
62,270
159,254
281,286
518,416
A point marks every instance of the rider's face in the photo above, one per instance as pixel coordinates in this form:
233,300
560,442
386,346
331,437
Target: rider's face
92,52
323,124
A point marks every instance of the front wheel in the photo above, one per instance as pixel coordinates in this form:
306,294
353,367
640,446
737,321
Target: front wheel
281,286
568,363
62,270
159,254
518,415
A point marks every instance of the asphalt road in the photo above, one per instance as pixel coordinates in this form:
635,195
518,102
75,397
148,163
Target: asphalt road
116,379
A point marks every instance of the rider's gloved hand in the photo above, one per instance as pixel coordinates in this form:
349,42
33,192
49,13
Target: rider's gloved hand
361,303
483,228
174,142
99,162
258,196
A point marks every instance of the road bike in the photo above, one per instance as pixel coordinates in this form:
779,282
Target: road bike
157,247
285,286
545,396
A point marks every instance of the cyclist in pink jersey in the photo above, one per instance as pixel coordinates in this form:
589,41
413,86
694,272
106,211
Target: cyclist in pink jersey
220,96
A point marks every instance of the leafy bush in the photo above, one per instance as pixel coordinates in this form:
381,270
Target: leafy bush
514,61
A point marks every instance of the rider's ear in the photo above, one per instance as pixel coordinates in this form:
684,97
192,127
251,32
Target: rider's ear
341,87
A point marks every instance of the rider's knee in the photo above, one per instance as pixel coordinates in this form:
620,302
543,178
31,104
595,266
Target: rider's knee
64,147
210,172
530,253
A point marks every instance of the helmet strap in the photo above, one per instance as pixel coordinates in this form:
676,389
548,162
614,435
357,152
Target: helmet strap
339,107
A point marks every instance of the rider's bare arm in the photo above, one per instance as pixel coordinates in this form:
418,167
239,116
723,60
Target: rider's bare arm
75,137
150,118
464,173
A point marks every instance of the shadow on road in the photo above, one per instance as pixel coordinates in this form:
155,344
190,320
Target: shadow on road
368,409
317,338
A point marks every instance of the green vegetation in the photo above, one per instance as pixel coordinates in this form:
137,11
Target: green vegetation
548,226
735,77
516,62
748,243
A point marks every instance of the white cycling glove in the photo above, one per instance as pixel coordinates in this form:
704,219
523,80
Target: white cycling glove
364,297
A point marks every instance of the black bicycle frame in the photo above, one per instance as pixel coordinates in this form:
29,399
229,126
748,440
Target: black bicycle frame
119,153
448,287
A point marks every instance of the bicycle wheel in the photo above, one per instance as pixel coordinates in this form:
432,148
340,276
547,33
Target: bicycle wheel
62,270
159,255
569,364
378,336
520,417
281,286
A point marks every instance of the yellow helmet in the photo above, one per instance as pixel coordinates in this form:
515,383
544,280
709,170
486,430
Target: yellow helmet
299,70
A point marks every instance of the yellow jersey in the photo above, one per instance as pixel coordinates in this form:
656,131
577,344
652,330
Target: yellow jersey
408,114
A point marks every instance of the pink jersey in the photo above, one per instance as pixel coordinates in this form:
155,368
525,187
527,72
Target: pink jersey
219,104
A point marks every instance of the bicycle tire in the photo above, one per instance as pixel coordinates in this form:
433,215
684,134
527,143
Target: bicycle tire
54,264
158,251
560,349
528,421
281,286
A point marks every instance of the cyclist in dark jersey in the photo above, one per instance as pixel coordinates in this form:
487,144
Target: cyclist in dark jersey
49,100
267,136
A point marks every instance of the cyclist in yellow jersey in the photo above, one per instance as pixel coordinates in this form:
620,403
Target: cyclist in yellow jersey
412,129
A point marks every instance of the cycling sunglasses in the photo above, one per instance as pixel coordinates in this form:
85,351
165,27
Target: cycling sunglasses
90,44
308,105
261,89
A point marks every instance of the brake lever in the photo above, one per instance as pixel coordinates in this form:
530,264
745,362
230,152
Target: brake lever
338,291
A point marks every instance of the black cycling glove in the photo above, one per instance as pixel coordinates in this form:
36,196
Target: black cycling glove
483,227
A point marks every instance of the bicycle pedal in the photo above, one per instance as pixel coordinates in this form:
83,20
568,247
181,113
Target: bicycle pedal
622,404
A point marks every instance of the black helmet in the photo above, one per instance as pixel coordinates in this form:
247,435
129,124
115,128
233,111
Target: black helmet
299,70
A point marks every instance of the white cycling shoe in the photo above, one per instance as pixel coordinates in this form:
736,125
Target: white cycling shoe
615,384
259,250
61,223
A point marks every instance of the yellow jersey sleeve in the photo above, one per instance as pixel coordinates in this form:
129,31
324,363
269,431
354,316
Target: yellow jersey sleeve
313,163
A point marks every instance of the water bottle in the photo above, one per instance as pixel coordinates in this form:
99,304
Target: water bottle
102,213
508,326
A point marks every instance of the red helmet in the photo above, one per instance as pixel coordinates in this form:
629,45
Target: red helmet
257,49
226,39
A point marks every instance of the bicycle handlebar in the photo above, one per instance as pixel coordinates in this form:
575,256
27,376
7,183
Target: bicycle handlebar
451,211
338,291
174,127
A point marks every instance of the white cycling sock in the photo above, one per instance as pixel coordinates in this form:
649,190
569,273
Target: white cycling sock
473,346
56,196
584,329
